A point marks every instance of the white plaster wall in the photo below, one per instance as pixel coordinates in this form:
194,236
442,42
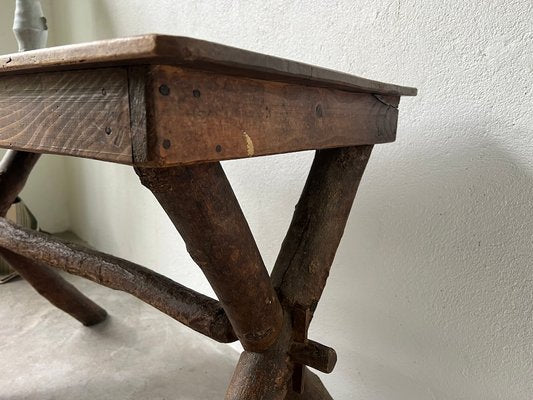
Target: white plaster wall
45,192
431,294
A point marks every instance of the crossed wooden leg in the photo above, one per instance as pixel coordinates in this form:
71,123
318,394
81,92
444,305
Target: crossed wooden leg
269,316
201,204
14,171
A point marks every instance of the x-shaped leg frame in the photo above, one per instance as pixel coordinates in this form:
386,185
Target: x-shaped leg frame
272,328
269,315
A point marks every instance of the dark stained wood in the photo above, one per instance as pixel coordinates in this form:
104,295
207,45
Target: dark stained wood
314,389
200,202
306,255
299,277
140,106
15,168
194,53
193,309
301,318
265,375
314,355
126,117
81,113
49,284
199,116
308,250
184,104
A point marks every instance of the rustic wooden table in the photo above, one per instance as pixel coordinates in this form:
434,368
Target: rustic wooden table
173,108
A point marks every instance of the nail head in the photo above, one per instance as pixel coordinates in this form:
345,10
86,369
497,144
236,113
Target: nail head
164,90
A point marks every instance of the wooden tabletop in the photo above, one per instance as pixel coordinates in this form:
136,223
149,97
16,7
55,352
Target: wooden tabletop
161,100
194,53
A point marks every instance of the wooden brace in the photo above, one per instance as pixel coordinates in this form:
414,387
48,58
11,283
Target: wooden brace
14,171
299,276
200,202
193,309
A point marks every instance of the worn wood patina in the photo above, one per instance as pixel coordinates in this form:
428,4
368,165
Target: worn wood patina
173,107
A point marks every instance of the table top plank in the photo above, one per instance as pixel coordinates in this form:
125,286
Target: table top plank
192,53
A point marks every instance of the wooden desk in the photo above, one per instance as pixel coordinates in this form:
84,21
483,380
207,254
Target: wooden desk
173,107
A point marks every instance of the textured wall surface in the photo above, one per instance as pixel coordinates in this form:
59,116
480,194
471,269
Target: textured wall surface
431,294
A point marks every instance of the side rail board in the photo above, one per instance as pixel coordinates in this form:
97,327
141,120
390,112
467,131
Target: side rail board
79,113
167,115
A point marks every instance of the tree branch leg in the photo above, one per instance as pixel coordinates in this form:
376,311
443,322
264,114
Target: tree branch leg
299,276
200,202
308,250
14,171
264,375
55,289
198,312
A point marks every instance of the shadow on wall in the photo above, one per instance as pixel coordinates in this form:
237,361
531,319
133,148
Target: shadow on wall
442,289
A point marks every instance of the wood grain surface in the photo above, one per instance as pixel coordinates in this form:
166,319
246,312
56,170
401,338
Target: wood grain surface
162,49
82,113
199,116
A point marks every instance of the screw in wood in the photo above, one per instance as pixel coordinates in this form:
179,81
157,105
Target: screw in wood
164,90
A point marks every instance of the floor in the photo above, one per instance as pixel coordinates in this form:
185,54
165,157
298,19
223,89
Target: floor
137,353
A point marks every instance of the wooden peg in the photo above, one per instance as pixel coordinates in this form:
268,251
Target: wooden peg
301,318
314,355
